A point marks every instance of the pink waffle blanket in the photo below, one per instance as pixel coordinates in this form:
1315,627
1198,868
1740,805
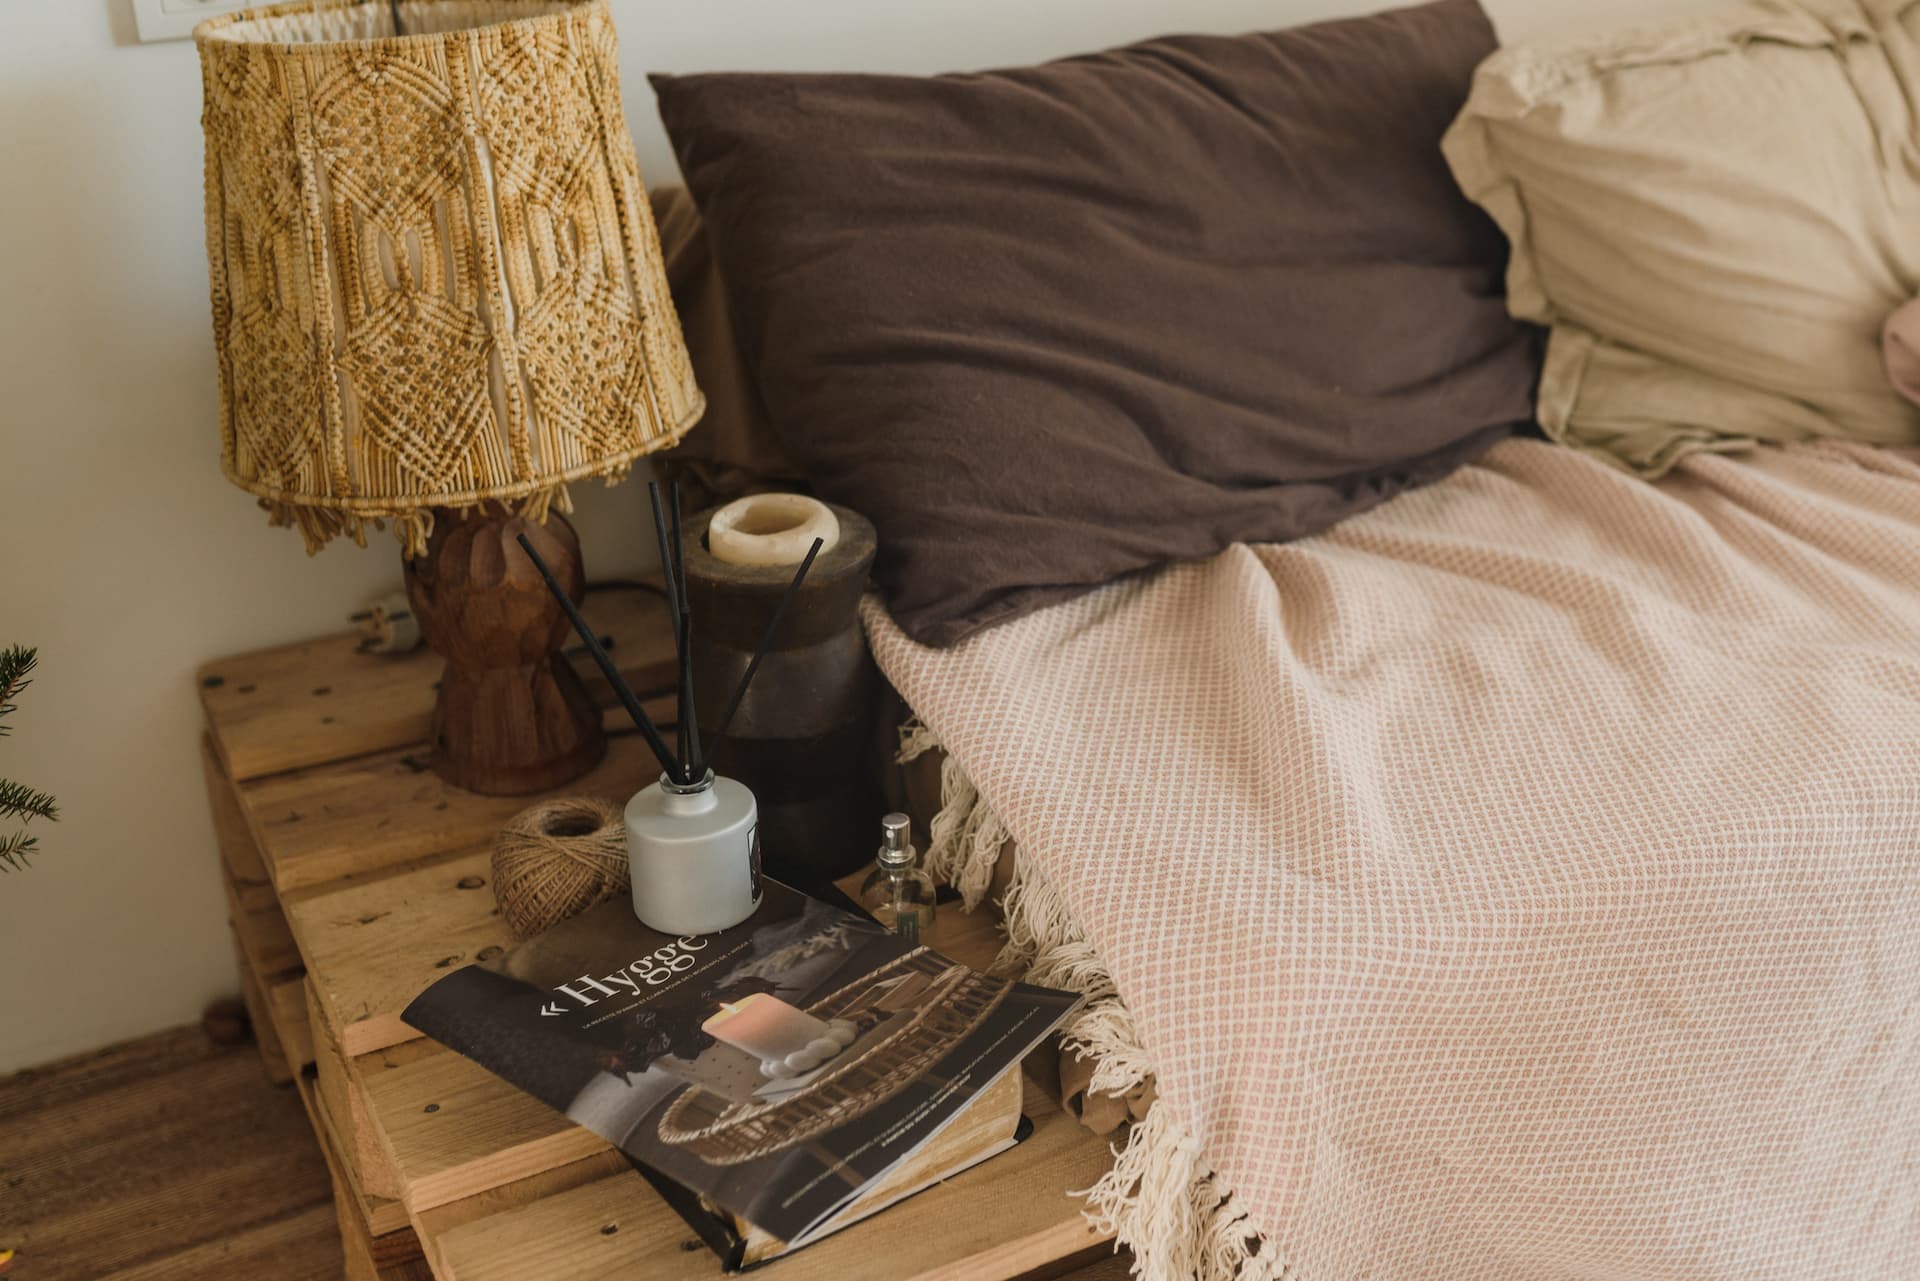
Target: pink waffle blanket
1520,881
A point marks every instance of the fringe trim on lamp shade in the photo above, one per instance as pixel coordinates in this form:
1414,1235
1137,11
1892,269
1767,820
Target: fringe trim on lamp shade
1162,1199
434,272
321,522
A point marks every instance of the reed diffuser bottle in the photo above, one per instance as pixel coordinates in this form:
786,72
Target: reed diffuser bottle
693,851
898,892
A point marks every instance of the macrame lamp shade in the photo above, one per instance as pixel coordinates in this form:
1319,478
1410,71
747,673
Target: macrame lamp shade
438,298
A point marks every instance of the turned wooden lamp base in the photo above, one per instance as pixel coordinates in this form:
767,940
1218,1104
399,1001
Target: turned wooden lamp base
512,716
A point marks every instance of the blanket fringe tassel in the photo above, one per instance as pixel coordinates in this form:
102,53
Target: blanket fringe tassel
1161,1199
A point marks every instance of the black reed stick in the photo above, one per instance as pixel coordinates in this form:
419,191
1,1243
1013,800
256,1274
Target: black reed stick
689,721
607,669
676,608
666,553
766,642
689,713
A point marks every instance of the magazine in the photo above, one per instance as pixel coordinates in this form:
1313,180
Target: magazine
778,1069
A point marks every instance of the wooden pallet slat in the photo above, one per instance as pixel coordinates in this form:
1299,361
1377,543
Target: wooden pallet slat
454,1129
287,1006
382,1220
277,1009
246,871
369,1258
265,941
273,1055
324,700
375,945
361,817
270,964
271,986
338,1083
433,1223
1004,1218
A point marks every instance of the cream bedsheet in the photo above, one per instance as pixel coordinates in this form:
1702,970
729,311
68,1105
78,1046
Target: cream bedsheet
1520,881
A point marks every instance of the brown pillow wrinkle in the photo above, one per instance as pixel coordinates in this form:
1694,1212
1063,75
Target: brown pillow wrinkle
1054,325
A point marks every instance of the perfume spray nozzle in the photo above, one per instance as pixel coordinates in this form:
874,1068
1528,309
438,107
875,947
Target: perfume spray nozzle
896,845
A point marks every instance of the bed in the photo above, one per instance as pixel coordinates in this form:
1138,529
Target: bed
1489,830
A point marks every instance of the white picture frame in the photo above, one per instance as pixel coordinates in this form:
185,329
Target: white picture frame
175,19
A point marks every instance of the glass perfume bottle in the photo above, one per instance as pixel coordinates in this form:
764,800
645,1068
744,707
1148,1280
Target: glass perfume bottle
897,892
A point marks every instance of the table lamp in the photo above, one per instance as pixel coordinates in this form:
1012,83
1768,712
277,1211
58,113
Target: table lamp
438,299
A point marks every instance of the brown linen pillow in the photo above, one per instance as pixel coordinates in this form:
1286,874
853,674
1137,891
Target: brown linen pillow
732,450
1050,326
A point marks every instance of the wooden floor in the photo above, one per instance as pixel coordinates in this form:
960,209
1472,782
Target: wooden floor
161,1159
172,1159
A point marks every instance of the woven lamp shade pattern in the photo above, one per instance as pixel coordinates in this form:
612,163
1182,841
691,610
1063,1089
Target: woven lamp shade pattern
435,275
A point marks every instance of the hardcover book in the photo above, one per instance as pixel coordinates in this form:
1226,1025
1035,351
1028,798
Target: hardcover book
775,1081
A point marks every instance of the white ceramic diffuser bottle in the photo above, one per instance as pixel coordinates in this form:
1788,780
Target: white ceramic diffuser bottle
694,852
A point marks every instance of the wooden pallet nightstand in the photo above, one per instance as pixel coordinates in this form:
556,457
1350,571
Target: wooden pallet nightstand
355,877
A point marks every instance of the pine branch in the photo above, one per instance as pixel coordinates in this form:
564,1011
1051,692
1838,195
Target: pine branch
18,800
15,848
16,665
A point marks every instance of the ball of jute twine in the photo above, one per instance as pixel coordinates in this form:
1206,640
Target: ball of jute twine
556,859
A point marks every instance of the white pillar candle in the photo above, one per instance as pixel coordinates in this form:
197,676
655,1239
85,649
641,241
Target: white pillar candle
771,529
769,1029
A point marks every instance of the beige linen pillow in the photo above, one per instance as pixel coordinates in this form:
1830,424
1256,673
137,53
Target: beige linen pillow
1715,215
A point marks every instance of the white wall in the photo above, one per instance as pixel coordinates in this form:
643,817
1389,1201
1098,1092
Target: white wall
128,560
